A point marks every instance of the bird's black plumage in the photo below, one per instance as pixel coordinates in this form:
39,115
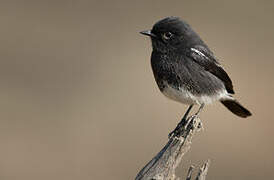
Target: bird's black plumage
210,64
185,69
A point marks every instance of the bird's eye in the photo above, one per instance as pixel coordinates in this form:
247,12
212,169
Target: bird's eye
167,35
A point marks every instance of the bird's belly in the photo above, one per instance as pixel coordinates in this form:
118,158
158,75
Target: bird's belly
186,97
179,95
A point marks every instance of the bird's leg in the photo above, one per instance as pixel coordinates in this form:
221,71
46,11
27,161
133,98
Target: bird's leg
197,114
199,110
181,123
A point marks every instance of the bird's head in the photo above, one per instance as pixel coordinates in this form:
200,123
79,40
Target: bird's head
171,34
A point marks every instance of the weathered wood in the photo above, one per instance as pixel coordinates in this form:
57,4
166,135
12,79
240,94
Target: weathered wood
163,165
203,171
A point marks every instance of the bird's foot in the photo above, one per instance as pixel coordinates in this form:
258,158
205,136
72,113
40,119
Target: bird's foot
183,125
180,128
195,118
177,131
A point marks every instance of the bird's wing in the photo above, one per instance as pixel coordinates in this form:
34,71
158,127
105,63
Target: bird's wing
205,58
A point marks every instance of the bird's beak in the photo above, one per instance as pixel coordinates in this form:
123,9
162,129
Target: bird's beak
148,33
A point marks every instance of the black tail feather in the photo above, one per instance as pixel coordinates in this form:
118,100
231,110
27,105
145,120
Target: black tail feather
236,108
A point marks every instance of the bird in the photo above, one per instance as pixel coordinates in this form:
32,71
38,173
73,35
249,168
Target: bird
186,70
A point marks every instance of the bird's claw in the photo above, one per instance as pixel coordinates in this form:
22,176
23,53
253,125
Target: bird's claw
176,131
179,129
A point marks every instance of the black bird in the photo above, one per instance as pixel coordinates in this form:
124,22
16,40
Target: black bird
186,70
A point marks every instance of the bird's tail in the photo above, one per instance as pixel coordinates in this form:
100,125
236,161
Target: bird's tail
236,108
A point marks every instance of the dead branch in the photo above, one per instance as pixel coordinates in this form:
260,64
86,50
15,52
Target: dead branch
163,165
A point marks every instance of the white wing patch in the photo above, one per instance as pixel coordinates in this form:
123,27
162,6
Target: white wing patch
203,55
198,52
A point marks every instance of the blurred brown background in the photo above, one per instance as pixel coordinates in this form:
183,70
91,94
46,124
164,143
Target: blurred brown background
78,99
